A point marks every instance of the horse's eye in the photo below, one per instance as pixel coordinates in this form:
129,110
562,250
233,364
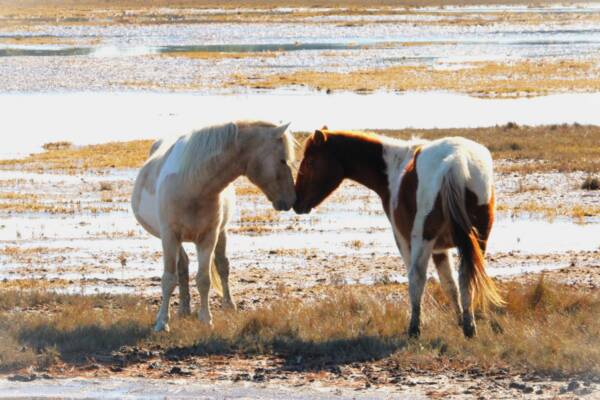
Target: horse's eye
283,161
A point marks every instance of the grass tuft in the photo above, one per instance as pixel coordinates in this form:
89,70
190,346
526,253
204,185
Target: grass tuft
543,328
591,183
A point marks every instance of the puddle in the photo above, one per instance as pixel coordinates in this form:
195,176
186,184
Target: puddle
86,118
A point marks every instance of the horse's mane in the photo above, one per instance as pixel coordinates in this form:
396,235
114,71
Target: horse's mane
373,137
204,146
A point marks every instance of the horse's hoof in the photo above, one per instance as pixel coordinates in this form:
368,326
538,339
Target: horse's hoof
206,319
469,330
414,331
184,312
229,306
161,327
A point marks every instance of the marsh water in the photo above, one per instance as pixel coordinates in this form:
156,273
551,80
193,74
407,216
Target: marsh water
120,56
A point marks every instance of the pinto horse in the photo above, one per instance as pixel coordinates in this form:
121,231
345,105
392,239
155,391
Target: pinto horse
437,195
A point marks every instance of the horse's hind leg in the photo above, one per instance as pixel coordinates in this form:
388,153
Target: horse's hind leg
205,249
171,246
184,283
417,277
443,265
222,264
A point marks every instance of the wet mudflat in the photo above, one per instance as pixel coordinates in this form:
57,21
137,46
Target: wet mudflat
222,51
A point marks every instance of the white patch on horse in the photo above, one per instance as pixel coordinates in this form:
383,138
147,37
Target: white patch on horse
173,163
148,211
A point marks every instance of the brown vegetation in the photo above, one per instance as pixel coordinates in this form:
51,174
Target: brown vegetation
543,328
562,148
482,79
591,183
77,159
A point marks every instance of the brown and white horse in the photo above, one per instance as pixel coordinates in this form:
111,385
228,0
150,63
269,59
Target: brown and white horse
437,195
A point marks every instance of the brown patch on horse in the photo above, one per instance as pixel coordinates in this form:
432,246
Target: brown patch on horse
482,216
404,214
436,227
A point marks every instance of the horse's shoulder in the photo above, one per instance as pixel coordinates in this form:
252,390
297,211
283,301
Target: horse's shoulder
150,171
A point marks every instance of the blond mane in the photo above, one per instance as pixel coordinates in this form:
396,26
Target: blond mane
203,148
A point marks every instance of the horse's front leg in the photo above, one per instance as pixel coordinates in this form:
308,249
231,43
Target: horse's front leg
183,273
171,246
205,248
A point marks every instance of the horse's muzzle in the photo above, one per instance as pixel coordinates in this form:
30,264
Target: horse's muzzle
281,205
301,210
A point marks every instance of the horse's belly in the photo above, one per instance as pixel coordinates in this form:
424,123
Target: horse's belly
148,212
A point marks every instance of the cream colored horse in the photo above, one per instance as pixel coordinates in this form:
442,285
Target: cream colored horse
183,193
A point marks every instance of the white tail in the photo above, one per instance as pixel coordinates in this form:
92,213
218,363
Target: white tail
215,279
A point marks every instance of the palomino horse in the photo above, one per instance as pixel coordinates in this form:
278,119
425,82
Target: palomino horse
183,193
437,195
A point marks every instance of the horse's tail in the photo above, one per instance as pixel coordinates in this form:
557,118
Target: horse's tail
215,279
465,234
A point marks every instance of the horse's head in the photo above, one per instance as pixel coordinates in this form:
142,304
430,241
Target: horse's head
269,167
320,173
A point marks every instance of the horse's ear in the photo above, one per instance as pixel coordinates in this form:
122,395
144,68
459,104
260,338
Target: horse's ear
319,137
281,129
324,128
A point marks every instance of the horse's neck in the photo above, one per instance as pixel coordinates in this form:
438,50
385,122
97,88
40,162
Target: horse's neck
363,161
226,168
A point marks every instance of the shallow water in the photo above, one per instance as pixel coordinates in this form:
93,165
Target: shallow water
128,57
85,118
87,250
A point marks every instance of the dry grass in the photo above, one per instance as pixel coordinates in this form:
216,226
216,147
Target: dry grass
544,328
562,148
591,183
255,222
77,159
145,4
97,12
550,211
483,79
